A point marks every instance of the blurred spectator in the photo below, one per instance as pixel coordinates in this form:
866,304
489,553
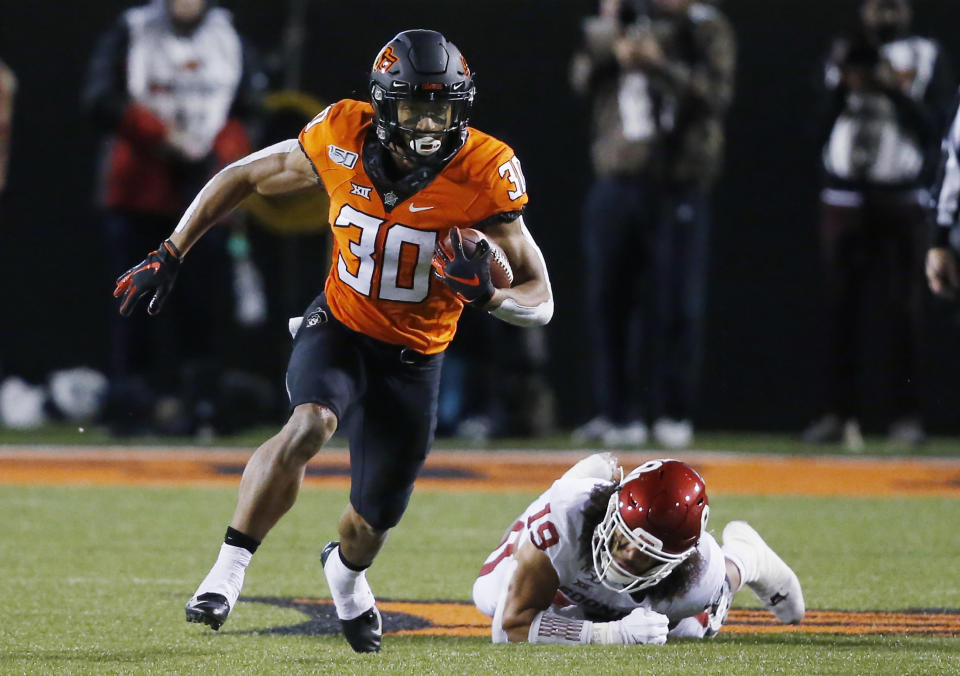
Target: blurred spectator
941,268
8,87
287,241
888,93
661,78
493,382
172,84
688,53
616,219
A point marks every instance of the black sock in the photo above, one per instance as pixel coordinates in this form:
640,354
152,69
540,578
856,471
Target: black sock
352,566
238,539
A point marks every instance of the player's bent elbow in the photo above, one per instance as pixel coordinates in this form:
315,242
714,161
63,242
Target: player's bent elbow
543,314
521,315
515,629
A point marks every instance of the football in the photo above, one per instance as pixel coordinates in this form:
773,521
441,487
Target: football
501,274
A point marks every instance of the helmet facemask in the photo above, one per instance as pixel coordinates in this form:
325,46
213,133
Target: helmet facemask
420,70
401,129
613,529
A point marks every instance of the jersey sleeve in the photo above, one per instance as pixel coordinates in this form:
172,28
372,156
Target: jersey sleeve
555,524
314,137
333,139
508,192
705,586
323,137
498,178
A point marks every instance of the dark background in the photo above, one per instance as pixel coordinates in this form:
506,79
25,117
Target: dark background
764,349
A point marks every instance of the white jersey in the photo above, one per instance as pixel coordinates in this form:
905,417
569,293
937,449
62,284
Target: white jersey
868,141
188,81
554,523
948,193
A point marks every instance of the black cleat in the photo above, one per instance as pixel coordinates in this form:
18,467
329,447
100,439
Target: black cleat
363,633
209,609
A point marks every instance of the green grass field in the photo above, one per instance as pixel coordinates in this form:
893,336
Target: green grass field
93,581
741,442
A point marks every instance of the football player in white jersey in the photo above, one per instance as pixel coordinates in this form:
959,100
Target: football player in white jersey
603,559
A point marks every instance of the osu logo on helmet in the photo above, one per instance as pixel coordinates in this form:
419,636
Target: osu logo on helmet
385,60
421,70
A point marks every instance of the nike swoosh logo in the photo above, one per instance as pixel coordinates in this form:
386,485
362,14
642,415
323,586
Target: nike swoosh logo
475,281
416,209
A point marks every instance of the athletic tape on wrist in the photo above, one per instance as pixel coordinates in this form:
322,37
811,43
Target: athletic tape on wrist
551,628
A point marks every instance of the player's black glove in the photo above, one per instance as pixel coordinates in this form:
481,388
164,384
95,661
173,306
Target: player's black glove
155,274
469,278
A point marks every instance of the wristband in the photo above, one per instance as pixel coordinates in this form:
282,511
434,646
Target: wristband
552,628
172,249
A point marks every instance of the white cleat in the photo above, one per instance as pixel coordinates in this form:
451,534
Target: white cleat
775,583
632,434
673,433
592,431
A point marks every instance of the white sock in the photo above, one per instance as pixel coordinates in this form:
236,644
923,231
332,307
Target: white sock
350,590
226,576
744,558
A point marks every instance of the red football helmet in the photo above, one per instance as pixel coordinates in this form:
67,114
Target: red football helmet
661,509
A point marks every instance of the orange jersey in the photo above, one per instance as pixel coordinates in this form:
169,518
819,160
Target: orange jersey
381,282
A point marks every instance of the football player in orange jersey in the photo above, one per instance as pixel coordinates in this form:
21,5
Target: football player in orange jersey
401,172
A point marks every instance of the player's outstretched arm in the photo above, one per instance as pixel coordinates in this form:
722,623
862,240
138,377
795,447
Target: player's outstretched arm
275,170
529,302
531,592
526,615
278,169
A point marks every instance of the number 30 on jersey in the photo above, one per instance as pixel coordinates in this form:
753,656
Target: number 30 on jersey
405,271
407,252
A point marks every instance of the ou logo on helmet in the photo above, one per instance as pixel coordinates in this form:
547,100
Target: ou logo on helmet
648,466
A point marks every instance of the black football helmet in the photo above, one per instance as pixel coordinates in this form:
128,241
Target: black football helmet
423,75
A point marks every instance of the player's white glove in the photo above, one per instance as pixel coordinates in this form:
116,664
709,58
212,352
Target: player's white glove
641,626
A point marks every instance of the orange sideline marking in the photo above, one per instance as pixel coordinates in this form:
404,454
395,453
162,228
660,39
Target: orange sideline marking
496,471
463,619
533,471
